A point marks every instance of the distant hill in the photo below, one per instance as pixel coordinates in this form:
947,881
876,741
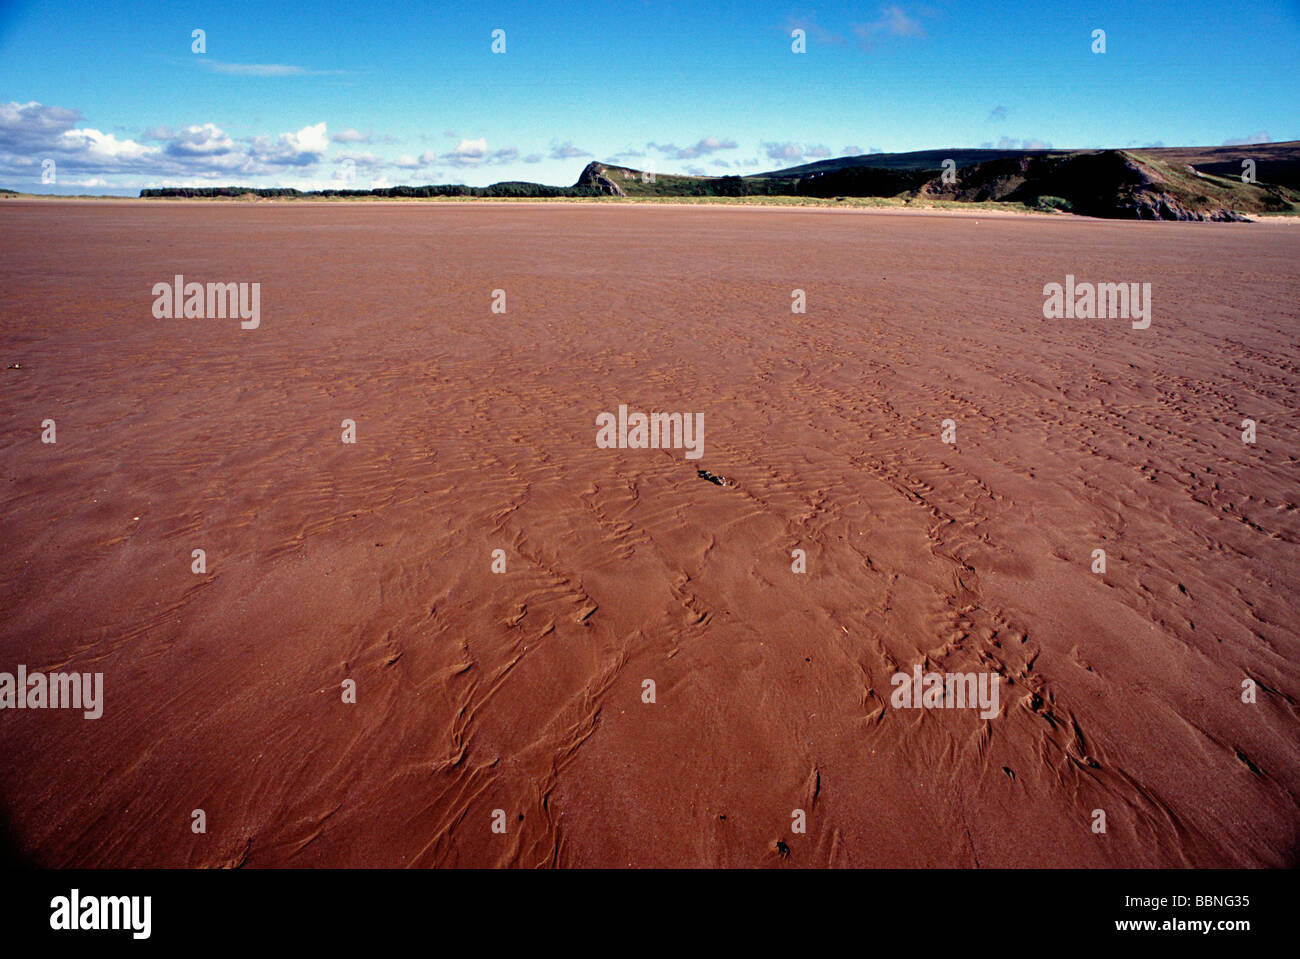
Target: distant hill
1113,184
1276,163
916,160
1163,183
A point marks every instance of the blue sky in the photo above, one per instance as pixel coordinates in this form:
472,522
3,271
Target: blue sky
364,94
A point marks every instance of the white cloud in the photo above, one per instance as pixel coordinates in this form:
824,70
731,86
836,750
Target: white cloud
471,149
103,147
205,139
362,160
312,139
892,22
567,151
702,147
1011,143
473,153
264,69
303,148
783,151
29,123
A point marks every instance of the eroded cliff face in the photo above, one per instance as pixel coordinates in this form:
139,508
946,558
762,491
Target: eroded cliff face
596,175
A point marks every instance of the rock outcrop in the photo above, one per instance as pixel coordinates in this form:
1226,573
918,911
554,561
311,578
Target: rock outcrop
597,176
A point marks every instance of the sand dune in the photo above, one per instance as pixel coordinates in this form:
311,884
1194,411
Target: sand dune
522,691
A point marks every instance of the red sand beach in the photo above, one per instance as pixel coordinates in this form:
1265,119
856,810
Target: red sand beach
522,691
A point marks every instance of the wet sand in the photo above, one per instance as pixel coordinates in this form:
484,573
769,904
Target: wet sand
522,691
